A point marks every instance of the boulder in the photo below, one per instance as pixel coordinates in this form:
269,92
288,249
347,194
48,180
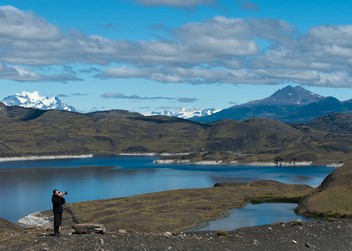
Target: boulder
88,228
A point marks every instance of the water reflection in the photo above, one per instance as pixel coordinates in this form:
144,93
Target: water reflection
253,215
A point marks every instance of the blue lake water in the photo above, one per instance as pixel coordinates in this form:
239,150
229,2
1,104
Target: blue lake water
248,216
26,186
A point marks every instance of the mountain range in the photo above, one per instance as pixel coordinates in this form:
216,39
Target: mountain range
289,104
187,113
35,100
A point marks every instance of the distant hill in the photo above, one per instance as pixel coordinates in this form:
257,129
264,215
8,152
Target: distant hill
34,100
334,123
289,104
28,131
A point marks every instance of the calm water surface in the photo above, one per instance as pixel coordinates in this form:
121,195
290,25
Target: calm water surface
27,186
248,216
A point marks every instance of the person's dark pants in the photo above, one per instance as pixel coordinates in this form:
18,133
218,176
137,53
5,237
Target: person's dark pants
57,222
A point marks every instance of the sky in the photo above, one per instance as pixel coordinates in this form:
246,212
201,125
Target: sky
155,55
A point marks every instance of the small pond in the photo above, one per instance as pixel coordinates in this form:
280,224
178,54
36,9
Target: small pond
253,215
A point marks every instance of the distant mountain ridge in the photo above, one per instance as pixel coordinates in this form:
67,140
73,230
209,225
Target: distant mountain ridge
333,123
35,100
187,113
289,96
289,105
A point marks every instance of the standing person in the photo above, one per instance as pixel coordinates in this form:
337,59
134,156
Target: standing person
58,200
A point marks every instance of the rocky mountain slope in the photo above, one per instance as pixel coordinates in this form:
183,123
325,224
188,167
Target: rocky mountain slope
289,96
289,104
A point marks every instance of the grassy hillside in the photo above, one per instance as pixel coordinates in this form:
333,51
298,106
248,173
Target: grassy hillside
33,132
333,197
181,209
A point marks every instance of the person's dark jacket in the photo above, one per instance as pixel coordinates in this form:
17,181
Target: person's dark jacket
58,201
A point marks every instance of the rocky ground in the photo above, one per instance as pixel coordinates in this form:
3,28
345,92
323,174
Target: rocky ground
320,235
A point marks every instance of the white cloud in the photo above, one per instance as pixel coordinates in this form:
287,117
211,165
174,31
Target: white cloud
17,73
329,34
22,74
217,50
123,72
19,25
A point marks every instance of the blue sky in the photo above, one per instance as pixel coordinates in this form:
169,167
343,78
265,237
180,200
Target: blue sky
154,55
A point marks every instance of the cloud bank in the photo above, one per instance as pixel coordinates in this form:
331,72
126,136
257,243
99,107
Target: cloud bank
216,50
119,95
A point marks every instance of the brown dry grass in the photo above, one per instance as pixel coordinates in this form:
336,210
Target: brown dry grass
181,209
333,197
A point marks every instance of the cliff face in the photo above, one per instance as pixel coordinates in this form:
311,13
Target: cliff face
333,197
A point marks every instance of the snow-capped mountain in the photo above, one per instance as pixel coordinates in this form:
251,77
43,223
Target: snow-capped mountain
34,100
187,113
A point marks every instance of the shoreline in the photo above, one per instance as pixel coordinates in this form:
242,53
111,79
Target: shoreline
236,163
48,157
176,161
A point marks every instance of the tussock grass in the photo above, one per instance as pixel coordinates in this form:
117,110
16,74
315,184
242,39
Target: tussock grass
333,197
181,209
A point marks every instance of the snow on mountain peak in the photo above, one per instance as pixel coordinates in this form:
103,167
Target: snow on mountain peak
187,113
35,100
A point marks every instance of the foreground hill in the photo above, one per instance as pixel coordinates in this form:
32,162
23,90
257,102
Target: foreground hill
26,131
333,197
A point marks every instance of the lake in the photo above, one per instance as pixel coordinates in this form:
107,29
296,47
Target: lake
26,186
248,216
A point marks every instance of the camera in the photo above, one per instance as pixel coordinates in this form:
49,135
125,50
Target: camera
63,193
